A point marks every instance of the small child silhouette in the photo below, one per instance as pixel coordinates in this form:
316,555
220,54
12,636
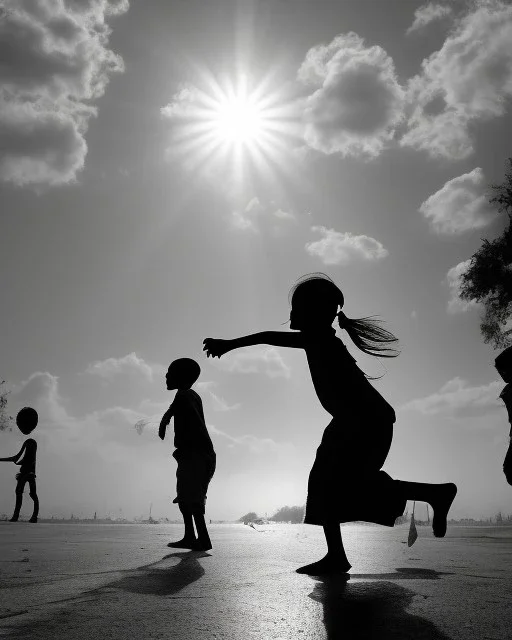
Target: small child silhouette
503,364
194,452
346,482
26,457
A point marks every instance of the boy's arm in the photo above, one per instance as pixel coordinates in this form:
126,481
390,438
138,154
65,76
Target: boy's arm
16,457
216,347
166,418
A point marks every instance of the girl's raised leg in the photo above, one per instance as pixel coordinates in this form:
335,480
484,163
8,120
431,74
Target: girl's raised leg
438,496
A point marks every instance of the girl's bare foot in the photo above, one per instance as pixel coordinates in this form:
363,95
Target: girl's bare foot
326,566
33,519
441,506
14,519
184,543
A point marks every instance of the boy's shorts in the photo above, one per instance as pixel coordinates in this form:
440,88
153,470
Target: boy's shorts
195,470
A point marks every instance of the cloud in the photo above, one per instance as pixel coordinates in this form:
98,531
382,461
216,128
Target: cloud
453,279
358,103
428,13
253,443
468,80
218,403
341,248
55,63
460,205
130,364
184,103
247,218
266,360
457,399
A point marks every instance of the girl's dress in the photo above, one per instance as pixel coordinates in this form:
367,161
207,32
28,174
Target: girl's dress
346,483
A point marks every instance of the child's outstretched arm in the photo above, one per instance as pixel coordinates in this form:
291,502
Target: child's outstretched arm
216,347
17,456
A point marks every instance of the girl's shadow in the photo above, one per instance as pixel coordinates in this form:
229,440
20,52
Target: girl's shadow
161,580
365,610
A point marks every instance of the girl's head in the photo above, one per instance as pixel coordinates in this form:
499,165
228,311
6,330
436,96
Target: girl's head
27,419
316,301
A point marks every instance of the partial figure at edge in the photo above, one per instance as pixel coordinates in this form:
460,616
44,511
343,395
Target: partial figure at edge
503,364
26,421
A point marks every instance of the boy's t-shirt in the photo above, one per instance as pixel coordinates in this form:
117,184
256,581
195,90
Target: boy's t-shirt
190,432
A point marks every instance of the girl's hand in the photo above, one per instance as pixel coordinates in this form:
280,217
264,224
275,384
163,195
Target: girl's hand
215,347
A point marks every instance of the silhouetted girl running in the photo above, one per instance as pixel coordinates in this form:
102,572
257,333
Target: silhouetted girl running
346,482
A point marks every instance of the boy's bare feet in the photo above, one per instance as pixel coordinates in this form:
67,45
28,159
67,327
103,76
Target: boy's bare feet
441,506
33,519
14,519
184,543
201,545
326,566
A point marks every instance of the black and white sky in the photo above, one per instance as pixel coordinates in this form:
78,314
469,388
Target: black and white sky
169,168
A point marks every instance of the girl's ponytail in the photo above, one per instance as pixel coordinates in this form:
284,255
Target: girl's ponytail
369,336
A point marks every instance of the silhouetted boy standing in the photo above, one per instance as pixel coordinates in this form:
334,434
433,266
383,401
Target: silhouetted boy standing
26,420
194,452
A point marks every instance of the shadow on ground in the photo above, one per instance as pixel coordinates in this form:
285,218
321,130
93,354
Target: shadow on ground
161,580
376,609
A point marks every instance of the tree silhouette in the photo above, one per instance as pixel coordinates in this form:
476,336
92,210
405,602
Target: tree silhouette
249,517
488,279
5,418
295,515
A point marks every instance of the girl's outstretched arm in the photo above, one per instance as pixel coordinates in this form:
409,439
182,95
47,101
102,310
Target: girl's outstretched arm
216,347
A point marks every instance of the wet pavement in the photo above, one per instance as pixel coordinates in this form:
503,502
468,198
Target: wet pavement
79,581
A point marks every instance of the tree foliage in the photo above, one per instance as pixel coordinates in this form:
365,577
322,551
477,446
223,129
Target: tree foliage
488,279
5,418
295,515
249,517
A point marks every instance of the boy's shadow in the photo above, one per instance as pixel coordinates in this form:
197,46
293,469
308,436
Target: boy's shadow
161,580
363,610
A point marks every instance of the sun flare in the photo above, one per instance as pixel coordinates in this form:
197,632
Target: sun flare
239,120
231,121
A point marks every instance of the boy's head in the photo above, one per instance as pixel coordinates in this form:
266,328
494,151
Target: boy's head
182,373
27,420
503,364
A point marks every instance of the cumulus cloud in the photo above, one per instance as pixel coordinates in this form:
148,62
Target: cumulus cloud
247,218
453,280
460,205
253,443
266,360
468,80
428,13
130,364
458,399
218,403
55,63
358,103
341,248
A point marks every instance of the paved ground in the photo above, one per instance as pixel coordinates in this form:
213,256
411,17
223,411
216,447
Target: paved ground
120,581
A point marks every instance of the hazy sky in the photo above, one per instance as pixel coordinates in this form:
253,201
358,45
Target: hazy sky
138,220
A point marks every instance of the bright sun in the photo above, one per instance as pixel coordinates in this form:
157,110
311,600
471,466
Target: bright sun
239,120
231,122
